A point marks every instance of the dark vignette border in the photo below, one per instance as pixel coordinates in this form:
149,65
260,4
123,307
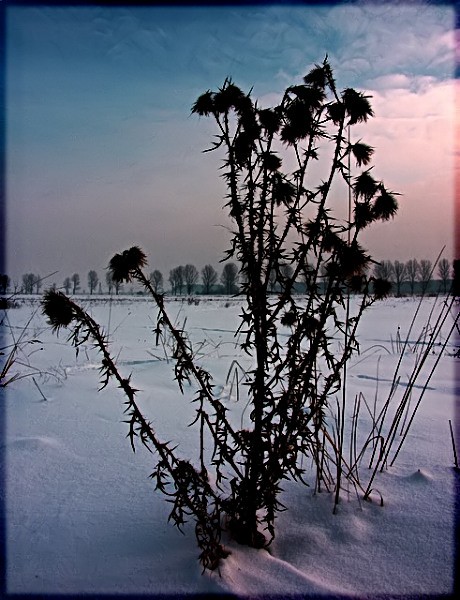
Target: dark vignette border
456,226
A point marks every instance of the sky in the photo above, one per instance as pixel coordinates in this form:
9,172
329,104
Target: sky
102,151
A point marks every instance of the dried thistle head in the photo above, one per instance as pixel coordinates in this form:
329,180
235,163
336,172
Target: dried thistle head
382,287
58,308
229,96
289,318
356,283
365,185
319,76
121,266
352,259
299,122
363,214
385,205
357,106
204,106
336,112
270,119
272,162
283,191
362,153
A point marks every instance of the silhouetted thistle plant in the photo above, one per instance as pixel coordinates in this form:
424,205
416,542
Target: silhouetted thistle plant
280,221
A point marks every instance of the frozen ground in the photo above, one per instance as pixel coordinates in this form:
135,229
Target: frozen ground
81,513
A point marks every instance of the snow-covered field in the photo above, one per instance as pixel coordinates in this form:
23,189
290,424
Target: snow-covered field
81,512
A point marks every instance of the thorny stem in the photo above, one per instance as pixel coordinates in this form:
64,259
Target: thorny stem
208,536
197,373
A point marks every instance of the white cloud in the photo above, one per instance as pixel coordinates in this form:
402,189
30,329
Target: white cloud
420,98
373,40
393,81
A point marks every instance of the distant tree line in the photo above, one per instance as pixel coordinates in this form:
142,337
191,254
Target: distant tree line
186,279
416,277
410,277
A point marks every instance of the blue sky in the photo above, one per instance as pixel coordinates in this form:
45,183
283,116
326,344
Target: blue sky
102,151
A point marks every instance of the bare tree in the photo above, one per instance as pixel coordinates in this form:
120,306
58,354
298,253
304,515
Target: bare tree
208,277
412,268
425,272
28,282
156,279
113,284
93,280
4,283
307,272
272,279
384,270
286,273
75,279
67,284
444,273
38,284
172,281
400,273
176,279
190,277
278,275
180,278
229,278
118,287
109,281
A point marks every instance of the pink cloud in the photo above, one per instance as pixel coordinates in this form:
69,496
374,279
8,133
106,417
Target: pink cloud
413,136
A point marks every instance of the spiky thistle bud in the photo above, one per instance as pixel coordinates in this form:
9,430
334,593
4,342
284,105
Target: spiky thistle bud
122,266
357,106
381,287
365,185
363,214
362,153
385,205
270,119
356,283
289,318
58,308
204,106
